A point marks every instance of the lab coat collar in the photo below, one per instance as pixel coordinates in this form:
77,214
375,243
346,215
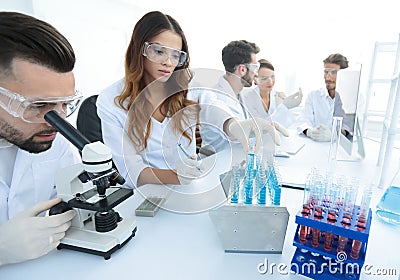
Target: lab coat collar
324,92
226,87
4,143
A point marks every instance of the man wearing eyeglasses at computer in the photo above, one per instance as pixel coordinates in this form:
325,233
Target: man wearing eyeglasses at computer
323,104
36,64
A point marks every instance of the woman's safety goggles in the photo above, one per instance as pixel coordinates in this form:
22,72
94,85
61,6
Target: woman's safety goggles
158,53
263,79
33,109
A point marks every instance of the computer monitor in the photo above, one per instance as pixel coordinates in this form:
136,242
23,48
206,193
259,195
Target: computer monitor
347,85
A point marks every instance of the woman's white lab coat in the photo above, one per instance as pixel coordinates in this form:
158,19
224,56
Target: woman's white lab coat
33,178
253,102
162,147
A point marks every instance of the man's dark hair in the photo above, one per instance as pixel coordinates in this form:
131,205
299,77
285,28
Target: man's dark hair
33,40
238,52
338,59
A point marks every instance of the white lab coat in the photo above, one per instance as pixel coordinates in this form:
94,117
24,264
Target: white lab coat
218,104
319,109
162,150
251,99
33,177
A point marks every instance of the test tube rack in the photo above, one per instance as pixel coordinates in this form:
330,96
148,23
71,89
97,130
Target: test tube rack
330,264
250,195
249,228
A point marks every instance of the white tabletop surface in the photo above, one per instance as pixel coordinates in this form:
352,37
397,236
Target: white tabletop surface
172,245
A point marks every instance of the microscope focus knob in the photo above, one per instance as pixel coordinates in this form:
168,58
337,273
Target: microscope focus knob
59,208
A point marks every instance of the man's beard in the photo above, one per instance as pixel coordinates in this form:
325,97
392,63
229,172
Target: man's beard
330,85
246,80
14,136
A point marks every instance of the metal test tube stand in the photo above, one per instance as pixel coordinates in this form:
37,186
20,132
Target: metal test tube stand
252,220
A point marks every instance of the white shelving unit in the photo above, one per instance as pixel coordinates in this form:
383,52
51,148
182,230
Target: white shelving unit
392,51
391,115
390,129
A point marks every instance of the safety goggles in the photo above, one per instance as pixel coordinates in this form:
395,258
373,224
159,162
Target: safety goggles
33,109
253,67
330,71
263,79
158,53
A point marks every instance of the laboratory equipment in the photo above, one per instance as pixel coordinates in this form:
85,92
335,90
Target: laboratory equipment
349,196
261,184
388,208
251,220
347,84
189,156
235,184
317,211
335,138
250,228
251,169
90,188
149,207
333,206
361,221
305,212
332,214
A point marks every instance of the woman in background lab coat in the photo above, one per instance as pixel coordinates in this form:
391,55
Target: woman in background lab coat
264,100
145,115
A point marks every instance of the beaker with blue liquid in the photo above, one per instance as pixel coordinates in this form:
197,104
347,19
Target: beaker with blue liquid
388,208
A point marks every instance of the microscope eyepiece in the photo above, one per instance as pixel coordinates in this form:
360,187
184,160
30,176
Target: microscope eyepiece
66,129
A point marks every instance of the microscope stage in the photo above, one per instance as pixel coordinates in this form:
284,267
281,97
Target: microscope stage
114,196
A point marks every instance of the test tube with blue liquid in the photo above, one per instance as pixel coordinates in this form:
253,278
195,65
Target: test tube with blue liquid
276,187
249,176
235,184
261,183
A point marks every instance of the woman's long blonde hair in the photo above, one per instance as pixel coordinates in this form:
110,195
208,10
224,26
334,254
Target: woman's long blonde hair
134,98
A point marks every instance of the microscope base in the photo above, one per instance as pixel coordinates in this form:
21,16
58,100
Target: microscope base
99,243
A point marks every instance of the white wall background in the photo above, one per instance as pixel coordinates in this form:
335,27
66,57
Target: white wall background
294,35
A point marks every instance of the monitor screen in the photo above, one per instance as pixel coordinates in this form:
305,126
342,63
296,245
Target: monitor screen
347,85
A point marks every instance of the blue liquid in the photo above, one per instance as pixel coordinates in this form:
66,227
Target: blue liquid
248,190
250,165
388,208
236,186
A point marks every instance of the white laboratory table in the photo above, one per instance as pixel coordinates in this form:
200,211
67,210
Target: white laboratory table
186,246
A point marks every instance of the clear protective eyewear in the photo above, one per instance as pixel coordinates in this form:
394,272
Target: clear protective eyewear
33,109
330,71
158,53
264,79
253,67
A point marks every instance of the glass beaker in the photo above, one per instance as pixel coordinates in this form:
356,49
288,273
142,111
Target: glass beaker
388,208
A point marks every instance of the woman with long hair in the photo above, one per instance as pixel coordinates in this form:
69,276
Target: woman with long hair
146,115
